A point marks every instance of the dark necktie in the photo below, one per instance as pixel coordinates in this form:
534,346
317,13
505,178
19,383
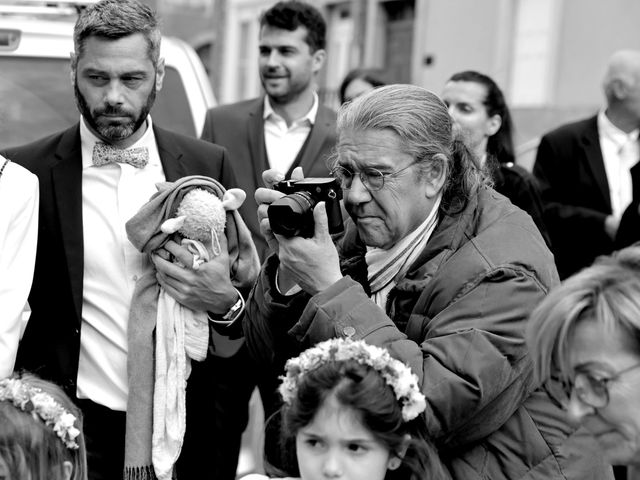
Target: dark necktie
104,154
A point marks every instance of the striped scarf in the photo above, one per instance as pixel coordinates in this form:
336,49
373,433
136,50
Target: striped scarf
386,267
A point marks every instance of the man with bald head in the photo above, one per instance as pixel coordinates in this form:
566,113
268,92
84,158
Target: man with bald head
584,170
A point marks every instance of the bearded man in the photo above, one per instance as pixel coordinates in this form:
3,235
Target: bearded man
93,178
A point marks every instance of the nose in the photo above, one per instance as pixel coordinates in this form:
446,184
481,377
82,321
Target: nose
273,59
577,410
331,466
358,193
113,94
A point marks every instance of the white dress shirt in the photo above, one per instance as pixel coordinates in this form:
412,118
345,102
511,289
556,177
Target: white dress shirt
111,195
284,142
18,238
620,152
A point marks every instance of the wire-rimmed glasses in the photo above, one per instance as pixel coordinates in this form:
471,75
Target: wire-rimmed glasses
372,178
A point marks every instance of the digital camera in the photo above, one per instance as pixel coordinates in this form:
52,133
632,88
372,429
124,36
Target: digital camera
292,215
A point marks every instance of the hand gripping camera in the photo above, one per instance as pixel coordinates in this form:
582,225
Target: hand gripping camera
292,215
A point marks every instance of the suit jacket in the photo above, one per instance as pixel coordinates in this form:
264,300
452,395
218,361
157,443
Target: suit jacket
573,183
239,128
51,342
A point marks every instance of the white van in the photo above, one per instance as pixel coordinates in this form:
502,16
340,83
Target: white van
36,95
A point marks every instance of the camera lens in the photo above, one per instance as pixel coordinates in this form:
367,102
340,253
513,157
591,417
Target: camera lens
292,215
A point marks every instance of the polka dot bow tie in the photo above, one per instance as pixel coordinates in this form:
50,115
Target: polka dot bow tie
104,154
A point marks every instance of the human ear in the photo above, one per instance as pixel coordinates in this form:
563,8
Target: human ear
74,64
493,125
318,59
395,460
159,74
67,469
435,175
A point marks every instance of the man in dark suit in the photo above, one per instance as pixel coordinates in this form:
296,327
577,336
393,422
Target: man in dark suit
287,127
93,178
584,170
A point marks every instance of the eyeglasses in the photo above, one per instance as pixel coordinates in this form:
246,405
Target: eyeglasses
590,390
372,178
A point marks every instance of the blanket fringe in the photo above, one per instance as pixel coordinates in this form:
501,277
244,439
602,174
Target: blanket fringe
139,473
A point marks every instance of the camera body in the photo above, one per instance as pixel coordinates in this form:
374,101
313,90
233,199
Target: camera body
292,215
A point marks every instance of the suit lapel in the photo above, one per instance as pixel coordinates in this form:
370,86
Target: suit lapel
317,137
170,154
255,134
593,152
66,176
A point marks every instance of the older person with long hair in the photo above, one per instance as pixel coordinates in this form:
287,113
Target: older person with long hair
438,268
585,341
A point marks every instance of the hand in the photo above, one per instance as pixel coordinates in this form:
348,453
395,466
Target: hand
208,288
611,225
312,263
266,196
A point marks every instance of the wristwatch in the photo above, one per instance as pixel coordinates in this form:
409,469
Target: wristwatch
233,313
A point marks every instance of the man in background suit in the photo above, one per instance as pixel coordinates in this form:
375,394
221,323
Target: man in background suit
287,127
86,269
584,170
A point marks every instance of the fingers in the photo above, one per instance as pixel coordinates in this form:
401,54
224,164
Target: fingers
271,177
184,256
321,227
297,174
267,195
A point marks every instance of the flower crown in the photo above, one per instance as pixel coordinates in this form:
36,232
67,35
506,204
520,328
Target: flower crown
41,406
396,374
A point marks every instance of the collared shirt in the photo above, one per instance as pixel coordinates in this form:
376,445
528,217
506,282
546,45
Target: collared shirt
111,195
284,142
620,151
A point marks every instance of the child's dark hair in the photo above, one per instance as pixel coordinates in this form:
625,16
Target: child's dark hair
292,14
363,390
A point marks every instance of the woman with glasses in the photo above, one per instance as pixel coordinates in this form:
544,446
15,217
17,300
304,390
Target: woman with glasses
585,341
436,267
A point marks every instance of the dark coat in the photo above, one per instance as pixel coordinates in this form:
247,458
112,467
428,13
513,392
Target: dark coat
573,184
239,128
458,319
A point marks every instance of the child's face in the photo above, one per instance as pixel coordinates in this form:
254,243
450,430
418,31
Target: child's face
336,445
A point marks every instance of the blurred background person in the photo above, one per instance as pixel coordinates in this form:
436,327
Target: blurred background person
359,81
288,126
424,269
585,340
41,434
18,238
583,169
480,112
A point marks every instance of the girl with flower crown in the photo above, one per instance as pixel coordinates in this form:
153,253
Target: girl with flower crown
352,412
40,432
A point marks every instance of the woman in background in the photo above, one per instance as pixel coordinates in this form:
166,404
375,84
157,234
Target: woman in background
480,112
359,81
18,238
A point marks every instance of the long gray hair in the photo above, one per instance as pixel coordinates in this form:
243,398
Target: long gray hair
422,122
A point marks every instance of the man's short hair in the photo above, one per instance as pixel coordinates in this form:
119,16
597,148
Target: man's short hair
115,19
292,14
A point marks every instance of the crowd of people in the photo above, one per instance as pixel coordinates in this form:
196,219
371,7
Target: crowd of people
409,302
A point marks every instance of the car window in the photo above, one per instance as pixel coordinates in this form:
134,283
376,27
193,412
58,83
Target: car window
37,100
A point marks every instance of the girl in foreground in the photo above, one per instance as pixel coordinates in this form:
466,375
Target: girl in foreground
40,432
352,412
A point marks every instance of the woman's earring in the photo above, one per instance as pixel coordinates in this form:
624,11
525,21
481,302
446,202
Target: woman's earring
394,463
